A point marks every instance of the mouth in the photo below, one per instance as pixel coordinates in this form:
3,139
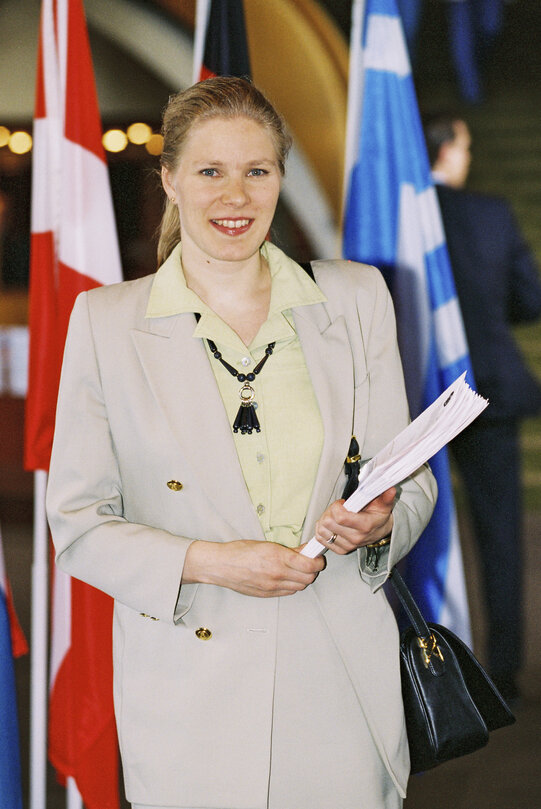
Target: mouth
232,227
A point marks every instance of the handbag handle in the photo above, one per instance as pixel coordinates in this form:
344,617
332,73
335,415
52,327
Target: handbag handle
413,612
430,651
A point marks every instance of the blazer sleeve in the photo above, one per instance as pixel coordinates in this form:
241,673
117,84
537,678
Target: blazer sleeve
138,565
361,294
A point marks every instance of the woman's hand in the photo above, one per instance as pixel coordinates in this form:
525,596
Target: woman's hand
262,569
352,530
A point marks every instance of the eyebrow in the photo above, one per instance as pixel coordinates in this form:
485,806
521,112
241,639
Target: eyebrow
218,163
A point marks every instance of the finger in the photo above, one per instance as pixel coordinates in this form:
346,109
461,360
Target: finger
383,500
298,568
293,582
333,541
344,523
361,528
326,536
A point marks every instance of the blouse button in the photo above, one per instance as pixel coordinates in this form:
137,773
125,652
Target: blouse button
245,361
260,509
203,633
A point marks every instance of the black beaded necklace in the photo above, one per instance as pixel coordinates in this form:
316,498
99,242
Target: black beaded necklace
246,419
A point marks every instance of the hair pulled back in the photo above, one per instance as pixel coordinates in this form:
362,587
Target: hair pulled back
218,97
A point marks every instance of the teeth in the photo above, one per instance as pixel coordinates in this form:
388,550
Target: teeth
232,223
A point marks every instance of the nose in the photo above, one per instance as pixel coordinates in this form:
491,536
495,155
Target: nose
235,192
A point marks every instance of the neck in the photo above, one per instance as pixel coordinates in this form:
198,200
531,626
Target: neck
444,177
214,278
238,292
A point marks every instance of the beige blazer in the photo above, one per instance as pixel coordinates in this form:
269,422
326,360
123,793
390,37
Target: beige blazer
198,720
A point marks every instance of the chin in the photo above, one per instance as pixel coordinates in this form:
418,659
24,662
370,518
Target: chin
237,252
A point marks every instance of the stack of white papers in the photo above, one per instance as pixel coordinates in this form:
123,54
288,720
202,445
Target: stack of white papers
445,418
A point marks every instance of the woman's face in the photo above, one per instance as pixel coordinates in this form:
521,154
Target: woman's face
226,187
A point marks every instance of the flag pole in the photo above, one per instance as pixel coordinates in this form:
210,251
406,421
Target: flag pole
38,658
201,21
355,94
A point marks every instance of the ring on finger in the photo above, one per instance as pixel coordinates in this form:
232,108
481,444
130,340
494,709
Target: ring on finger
331,539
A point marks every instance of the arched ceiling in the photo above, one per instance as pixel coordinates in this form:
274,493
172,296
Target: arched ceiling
142,51
138,56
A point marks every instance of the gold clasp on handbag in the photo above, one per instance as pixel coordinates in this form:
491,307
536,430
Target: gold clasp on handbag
429,646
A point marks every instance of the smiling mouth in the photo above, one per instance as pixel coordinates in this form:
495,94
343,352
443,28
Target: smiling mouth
232,226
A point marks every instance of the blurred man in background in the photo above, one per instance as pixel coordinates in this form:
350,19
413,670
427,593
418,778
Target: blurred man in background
498,286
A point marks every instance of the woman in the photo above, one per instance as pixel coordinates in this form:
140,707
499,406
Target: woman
246,674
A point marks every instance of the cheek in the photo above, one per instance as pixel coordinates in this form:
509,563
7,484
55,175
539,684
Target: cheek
192,204
269,198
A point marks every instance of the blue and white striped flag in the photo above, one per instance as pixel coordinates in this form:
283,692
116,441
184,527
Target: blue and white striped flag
392,220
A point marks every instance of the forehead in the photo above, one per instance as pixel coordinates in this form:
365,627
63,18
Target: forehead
229,135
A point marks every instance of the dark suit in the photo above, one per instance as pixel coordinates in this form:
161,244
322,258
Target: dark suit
498,285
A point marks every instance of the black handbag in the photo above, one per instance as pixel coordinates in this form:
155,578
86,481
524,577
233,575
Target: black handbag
450,702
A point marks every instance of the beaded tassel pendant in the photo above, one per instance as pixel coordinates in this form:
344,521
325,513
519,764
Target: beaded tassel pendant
246,419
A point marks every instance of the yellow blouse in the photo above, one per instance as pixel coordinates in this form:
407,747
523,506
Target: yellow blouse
279,464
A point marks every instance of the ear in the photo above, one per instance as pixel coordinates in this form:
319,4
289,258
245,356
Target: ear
445,150
166,182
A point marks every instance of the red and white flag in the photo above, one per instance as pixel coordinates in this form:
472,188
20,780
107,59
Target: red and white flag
74,248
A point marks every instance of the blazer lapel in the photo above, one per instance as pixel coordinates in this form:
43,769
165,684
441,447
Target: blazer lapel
177,369
327,352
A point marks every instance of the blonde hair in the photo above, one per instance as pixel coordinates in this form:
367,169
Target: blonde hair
218,97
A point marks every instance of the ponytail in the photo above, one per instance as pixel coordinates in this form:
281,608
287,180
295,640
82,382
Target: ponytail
169,234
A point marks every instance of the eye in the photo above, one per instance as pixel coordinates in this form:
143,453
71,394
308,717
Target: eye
257,172
209,172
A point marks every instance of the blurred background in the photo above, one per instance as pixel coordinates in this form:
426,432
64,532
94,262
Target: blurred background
142,52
